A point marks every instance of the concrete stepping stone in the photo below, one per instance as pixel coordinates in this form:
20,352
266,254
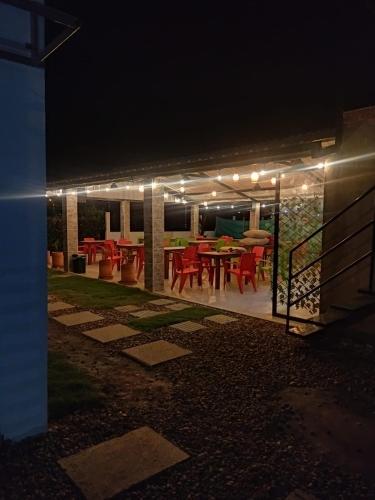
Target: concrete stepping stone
128,308
111,332
188,326
161,302
146,313
178,306
77,318
221,319
58,306
113,466
154,353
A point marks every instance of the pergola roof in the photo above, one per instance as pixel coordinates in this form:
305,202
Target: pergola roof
265,155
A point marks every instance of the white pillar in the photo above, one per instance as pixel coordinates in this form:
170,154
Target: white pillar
154,236
108,225
70,228
125,218
194,220
254,219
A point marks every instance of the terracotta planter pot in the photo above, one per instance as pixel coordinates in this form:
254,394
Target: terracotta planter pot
105,270
58,260
49,259
128,273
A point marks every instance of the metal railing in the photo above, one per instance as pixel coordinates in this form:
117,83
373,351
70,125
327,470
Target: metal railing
369,254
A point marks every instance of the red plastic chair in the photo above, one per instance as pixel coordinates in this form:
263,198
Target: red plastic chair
112,254
182,270
205,262
124,241
259,257
85,249
246,269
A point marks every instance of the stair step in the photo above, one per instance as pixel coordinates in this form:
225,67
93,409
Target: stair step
355,304
305,330
330,316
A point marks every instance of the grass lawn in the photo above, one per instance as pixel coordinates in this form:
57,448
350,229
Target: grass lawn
69,388
88,292
148,324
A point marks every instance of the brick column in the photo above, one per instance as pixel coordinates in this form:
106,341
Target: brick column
153,210
254,219
70,228
125,218
107,225
194,220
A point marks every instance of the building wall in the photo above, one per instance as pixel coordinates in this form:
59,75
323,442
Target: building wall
23,293
344,181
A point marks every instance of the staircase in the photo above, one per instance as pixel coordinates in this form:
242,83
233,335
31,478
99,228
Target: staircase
357,302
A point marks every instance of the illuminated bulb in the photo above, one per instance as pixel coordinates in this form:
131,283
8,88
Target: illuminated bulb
177,200
219,177
141,188
182,181
46,195
88,190
73,192
254,176
232,206
320,165
59,193
304,187
107,189
273,181
263,205
262,172
154,184
205,203
182,189
218,207
283,176
166,196
184,201
236,177
206,207
213,193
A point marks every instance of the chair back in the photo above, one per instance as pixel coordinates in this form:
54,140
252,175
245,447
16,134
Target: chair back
109,248
190,252
177,263
247,262
124,241
259,253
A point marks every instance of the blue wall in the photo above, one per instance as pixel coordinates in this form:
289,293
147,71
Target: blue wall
23,293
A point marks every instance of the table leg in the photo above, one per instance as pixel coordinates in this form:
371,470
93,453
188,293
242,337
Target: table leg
89,255
200,271
217,273
166,265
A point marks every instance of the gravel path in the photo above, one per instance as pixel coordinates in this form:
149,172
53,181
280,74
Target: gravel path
221,404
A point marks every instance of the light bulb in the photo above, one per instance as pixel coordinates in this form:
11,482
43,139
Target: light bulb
262,172
141,188
184,201
182,181
206,207
182,189
205,203
232,206
128,187
304,187
273,181
213,193
236,177
107,189
218,207
166,196
154,184
320,165
263,205
254,176
177,200
283,176
219,177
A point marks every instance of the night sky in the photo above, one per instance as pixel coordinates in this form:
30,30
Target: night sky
144,81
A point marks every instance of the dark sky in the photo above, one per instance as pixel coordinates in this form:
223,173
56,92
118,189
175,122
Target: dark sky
151,80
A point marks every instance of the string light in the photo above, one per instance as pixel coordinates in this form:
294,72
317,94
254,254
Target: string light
128,187
320,165
141,188
254,176
88,190
236,177
213,193
232,206
205,203
273,181
283,176
177,200
182,189
154,184
184,201
263,205
107,189
262,172
219,177
166,196
182,181
218,207
59,193
206,207
304,187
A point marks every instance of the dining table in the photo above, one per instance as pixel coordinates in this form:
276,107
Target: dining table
91,244
218,259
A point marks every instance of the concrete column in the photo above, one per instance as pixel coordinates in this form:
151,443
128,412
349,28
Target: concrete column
194,220
70,228
108,225
154,236
254,219
125,218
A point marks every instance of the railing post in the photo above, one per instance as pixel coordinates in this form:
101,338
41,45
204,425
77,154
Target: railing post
275,266
290,272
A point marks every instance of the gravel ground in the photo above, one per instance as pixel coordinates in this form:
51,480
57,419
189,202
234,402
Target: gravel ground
222,404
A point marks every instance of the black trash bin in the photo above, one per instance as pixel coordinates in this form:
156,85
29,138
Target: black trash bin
79,264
